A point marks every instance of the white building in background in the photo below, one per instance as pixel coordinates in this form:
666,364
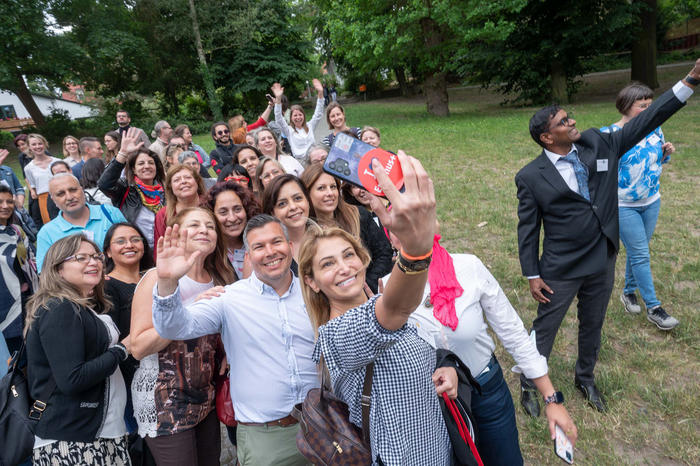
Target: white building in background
11,107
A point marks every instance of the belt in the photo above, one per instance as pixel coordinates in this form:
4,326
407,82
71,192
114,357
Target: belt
284,422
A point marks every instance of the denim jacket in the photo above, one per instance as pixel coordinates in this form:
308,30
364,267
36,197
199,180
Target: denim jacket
9,177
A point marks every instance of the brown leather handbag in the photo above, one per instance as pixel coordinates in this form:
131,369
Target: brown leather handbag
326,435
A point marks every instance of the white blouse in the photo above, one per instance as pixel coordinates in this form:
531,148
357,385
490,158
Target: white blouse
482,297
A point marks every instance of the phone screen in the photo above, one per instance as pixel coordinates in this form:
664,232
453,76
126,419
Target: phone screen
562,446
351,160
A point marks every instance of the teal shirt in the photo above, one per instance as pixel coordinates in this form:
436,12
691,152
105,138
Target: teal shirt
102,217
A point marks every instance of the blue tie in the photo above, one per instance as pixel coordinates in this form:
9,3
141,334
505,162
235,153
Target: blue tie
581,174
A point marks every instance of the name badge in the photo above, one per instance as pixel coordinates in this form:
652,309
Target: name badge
653,139
426,336
602,165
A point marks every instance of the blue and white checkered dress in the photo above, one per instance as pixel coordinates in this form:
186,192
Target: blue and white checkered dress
406,424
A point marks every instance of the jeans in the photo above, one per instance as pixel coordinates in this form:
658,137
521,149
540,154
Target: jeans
636,227
494,412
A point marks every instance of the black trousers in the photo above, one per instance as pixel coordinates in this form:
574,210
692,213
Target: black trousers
593,292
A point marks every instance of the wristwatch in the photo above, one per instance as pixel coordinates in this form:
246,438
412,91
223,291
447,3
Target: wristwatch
411,267
691,80
557,398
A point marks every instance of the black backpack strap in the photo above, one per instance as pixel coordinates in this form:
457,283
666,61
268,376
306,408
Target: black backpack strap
366,401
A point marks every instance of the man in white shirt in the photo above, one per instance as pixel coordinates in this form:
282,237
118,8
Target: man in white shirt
266,333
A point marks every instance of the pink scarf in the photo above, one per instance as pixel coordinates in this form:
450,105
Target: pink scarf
444,287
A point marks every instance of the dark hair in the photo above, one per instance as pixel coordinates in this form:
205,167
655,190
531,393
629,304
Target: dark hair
59,162
260,221
85,142
242,147
6,189
250,204
346,191
91,172
229,170
630,94
121,110
147,259
214,125
539,123
131,163
272,193
20,137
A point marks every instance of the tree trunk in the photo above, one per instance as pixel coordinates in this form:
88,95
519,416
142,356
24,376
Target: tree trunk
644,47
435,84
558,77
401,78
214,103
27,100
435,87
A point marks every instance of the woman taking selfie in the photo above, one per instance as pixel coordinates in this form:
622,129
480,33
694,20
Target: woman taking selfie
233,205
174,386
332,210
354,330
461,296
301,133
184,188
335,116
288,199
140,194
267,143
73,352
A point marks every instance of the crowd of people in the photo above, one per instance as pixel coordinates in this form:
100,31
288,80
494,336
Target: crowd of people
140,274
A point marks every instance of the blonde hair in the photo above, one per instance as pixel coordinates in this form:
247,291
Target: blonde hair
53,286
346,216
77,142
235,122
170,199
317,305
370,129
39,137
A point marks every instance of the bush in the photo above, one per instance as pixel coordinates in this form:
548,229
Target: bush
6,138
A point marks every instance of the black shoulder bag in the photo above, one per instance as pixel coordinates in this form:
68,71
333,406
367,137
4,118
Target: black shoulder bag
19,414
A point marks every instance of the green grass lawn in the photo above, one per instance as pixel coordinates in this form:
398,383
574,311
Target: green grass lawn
649,378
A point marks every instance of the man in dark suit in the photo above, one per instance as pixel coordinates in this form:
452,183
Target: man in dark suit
571,190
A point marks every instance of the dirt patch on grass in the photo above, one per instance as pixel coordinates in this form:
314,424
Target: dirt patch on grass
642,455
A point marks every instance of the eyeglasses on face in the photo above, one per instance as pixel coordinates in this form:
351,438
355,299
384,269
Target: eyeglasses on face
85,258
132,240
221,132
243,179
566,121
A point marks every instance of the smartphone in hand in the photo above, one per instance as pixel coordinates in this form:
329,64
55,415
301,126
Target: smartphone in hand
562,446
351,160
270,99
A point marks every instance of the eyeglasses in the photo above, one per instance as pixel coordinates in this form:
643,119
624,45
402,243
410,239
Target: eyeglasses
566,121
132,240
181,146
85,258
222,132
243,179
